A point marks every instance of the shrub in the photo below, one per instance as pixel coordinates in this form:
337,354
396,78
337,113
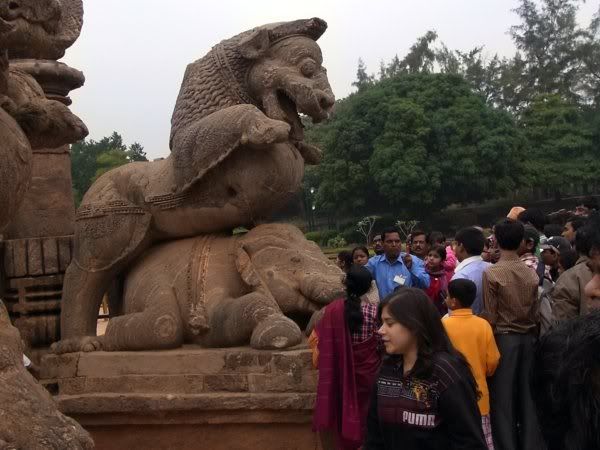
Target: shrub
337,242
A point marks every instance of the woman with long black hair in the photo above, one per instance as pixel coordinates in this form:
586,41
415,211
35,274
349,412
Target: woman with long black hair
425,396
344,343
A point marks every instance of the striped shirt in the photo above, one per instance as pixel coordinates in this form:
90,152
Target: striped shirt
510,291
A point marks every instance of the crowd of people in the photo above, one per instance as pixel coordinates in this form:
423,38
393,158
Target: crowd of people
464,343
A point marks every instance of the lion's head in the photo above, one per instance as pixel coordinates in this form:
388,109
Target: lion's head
277,67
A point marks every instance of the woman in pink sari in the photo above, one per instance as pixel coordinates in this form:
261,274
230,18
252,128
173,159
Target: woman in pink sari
345,343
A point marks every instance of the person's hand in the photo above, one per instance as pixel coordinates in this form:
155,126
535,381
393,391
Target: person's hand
407,258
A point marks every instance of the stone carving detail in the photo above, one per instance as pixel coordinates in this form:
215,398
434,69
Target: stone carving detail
35,126
43,29
29,415
27,118
237,154
220,291
34,270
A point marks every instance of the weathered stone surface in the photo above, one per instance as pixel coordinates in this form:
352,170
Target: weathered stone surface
43,29
154,403
219,291
28,415
15,165
292,363
268,434
170,362
59,366
237,382
34,305
117,393
31,121
237,155
260,382
141,384
56,79
247,361
47,210
191,370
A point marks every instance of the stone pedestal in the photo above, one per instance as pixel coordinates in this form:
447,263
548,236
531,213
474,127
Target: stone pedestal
188,398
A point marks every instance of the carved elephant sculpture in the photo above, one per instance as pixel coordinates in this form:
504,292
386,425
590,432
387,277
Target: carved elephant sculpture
237,155
219,291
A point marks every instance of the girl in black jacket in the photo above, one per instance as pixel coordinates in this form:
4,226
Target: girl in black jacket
425,397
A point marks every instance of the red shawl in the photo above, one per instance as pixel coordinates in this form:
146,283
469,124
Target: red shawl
346,376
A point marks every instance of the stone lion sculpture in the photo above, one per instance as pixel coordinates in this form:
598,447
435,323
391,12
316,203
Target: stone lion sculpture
28,120
219,291
237,155
29,417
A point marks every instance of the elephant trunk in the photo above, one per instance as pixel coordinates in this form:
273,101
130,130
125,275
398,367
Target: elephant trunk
319,289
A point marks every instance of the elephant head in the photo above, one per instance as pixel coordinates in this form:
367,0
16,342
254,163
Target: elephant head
278,259
40,29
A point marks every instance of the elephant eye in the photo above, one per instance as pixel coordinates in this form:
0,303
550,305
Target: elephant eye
295,259
308,68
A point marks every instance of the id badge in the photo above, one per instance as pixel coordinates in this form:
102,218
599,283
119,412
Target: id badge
399,279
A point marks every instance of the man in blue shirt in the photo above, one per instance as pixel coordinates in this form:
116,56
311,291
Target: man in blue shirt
395,268
469,243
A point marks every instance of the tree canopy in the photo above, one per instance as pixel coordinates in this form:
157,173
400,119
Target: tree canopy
412,141
90,159
441,126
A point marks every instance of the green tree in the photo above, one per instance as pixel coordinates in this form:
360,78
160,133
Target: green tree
363,79
561,148
441,144
87,164
136,153
415,142
421,57
553,47
109,160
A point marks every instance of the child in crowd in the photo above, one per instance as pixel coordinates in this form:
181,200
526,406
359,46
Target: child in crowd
434,265
360,257
473,337
425,396
450,263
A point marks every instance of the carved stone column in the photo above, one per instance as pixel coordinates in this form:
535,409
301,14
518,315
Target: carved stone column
38,240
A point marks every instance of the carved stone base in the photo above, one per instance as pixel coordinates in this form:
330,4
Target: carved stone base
33,271
235,398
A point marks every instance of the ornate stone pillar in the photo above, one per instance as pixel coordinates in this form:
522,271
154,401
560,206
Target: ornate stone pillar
38,240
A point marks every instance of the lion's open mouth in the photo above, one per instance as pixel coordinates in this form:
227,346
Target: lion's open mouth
290,115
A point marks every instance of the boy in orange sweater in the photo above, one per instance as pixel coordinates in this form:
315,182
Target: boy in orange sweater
473,337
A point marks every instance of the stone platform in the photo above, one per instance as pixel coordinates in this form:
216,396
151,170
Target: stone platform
190,398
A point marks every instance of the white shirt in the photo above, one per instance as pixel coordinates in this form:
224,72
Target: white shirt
467,261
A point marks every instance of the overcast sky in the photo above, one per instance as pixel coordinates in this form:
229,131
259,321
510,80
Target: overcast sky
134,52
